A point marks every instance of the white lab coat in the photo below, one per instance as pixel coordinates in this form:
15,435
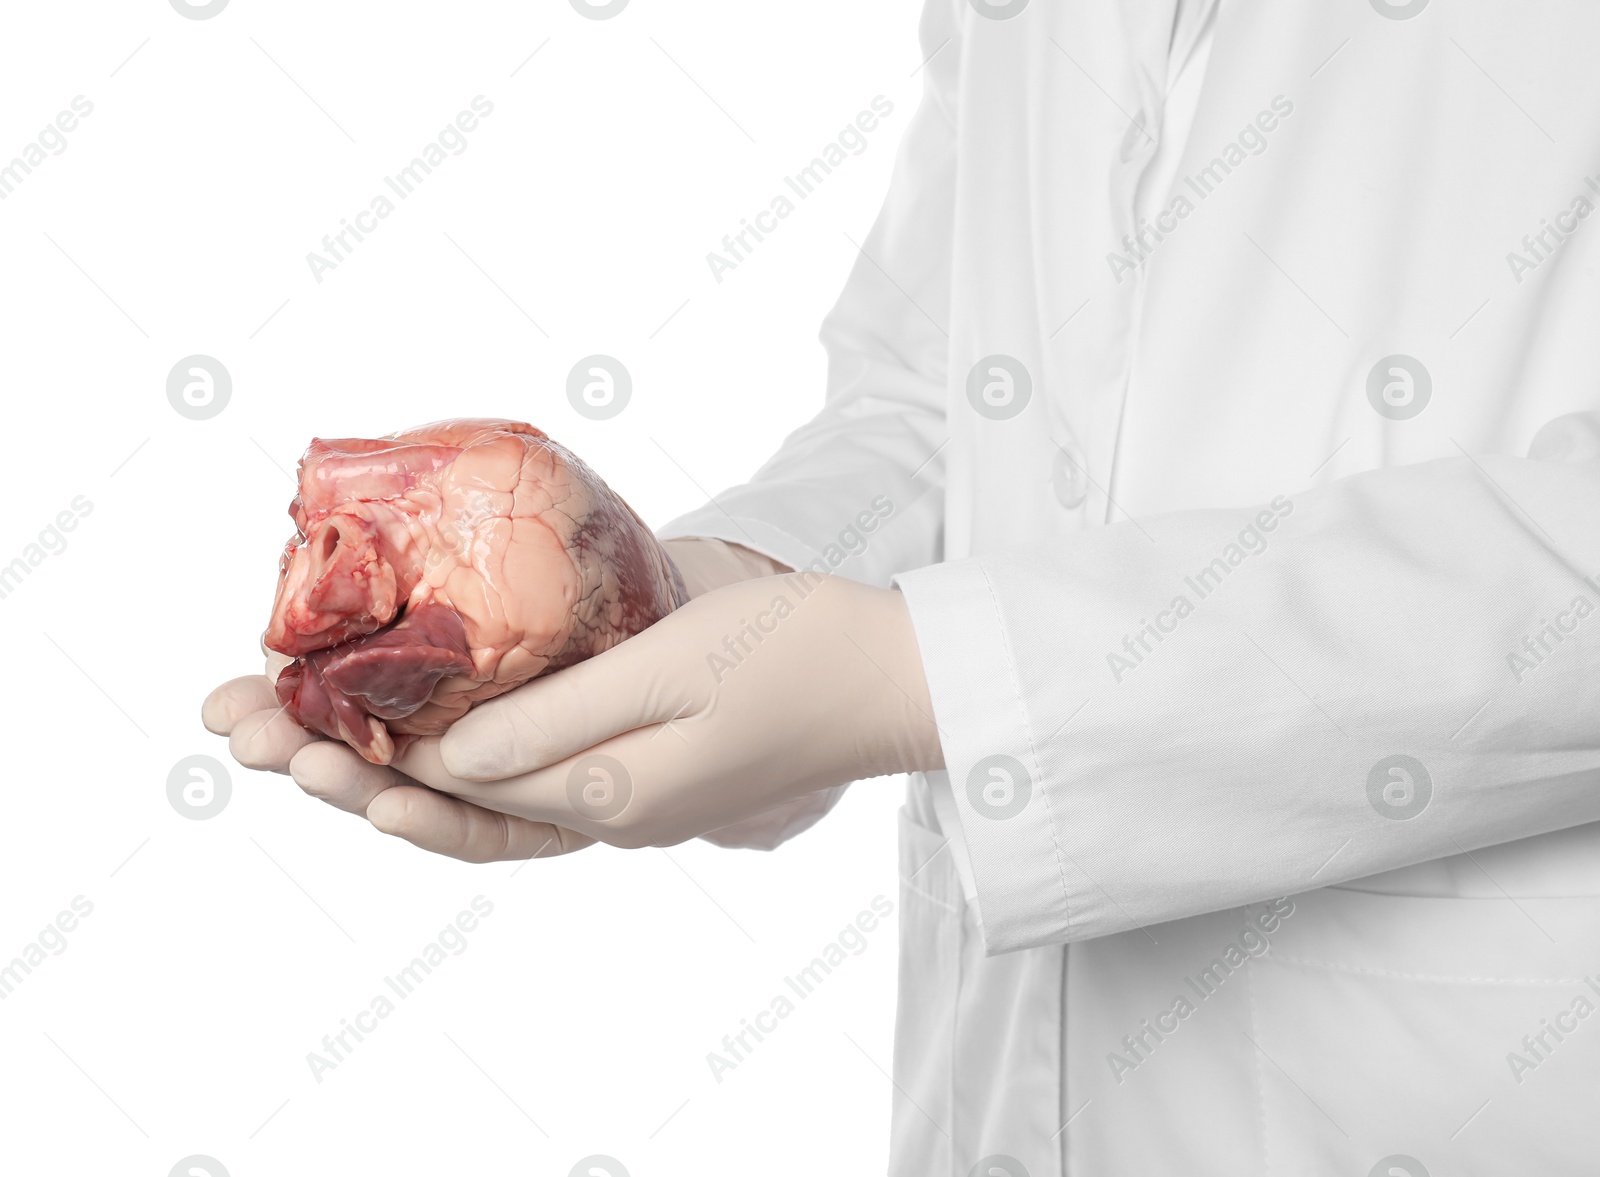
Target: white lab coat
1234,400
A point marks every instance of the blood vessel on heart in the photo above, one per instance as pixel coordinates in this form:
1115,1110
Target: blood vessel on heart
438,567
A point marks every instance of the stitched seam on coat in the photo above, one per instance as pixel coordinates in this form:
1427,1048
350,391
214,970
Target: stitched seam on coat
1033,751
1261,1077
1398,976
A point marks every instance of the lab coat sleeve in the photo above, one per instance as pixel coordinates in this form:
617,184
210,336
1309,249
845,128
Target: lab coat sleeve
1191,712
858,490
859,487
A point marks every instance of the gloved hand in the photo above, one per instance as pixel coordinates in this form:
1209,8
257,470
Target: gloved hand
261,736
708,564
748,697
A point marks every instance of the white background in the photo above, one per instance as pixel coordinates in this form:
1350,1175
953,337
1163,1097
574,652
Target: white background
177,221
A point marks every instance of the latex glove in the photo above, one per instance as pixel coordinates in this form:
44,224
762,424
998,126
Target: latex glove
261,736
748,697
708,564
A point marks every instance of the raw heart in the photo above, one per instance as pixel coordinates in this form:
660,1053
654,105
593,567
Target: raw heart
436,568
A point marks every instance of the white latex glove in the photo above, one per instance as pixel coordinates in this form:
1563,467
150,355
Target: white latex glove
261,736
749,697
708,564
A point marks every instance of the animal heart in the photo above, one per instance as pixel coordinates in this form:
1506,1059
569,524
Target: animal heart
436,568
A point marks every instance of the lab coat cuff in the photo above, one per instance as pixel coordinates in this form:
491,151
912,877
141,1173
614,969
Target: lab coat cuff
990,756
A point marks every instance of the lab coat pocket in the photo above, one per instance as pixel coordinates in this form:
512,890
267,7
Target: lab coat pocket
977,1038
931,916
1461,1034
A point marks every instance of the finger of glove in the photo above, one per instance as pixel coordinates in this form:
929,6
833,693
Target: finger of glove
233,700
268,740
537,795
446,825
625,792
333,772
552,718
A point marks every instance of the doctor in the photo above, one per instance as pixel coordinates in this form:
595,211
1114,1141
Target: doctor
1206,511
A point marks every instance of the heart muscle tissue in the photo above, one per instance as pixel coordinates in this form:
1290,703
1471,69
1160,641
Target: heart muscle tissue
441,566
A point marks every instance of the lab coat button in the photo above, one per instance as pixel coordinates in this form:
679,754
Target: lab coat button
1069,478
